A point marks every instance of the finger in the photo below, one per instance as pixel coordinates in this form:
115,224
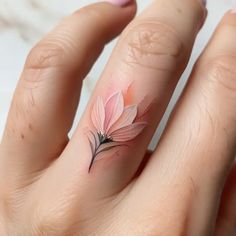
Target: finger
144,162
48,92
161,47
198,147
226,220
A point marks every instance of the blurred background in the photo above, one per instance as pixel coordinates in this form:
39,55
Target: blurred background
24,22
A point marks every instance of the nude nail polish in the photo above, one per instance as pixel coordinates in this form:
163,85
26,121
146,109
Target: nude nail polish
119,2
233,10
203,2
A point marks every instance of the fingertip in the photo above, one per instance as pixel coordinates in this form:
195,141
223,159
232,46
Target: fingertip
229,18
124,6
233,10
120,3
108,16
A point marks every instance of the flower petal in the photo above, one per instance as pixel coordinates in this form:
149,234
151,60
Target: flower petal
125,119
144,106
98,115
129,132
113,109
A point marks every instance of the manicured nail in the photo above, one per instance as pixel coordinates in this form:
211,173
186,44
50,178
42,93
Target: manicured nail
203,2
119,2
233,10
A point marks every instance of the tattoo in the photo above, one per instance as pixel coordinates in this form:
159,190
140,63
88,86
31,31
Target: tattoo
114,124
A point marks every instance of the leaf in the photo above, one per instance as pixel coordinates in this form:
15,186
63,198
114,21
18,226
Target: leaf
107,148
92,140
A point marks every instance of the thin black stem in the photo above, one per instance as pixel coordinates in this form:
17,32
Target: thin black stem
93,158
97,153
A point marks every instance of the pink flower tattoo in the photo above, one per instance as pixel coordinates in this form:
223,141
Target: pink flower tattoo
114,124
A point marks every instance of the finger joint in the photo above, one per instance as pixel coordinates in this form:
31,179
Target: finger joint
153,44
222,75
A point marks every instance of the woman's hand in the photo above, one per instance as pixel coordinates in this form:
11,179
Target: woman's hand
101,182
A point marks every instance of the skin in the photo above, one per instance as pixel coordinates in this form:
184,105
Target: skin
185,187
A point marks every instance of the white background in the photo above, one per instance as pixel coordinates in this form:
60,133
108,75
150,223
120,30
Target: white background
23,22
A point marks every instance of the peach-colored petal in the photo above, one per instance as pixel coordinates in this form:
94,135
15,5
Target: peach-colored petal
98,115
129,132
128,94
125,119
144,106
113,109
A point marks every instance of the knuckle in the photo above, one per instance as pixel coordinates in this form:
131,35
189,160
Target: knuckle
45,225
177,228
52,223
153,44
222,75
46,55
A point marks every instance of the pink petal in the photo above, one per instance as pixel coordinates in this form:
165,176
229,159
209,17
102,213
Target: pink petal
125,119
98,115
129,132
144,106
113,109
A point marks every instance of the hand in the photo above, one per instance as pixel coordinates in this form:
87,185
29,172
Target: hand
102,181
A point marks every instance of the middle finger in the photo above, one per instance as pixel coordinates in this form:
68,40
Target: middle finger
144,69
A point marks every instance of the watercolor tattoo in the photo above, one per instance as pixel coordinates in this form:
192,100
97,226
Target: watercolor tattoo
114,124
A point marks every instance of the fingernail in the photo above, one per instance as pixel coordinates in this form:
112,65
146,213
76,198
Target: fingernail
119,2
233,10
203,2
